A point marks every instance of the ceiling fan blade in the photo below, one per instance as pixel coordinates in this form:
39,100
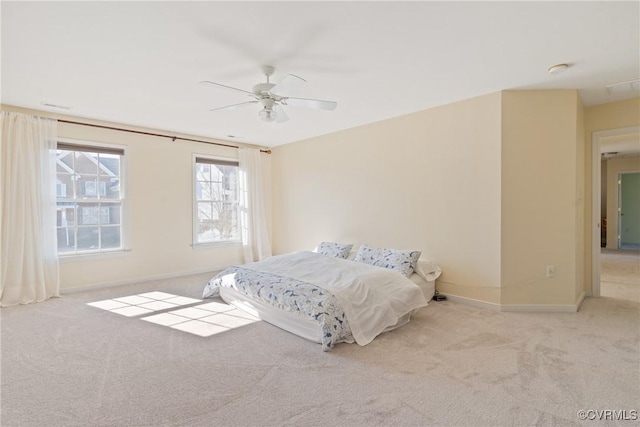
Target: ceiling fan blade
234,106
318,104
288,84
235,89
281,116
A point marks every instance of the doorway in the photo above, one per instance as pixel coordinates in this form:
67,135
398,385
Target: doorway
616,209
629,210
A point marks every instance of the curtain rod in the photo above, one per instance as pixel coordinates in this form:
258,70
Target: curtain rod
173,138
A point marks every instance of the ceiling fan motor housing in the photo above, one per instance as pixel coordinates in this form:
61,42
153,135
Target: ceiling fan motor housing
262,88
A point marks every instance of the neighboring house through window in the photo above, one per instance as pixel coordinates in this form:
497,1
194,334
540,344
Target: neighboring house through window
90,198
216,200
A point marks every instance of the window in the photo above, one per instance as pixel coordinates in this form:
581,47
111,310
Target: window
216,201
90,198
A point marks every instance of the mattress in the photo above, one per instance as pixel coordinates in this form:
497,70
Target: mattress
293,323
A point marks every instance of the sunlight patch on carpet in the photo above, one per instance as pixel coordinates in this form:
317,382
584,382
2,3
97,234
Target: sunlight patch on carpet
136,305
203,320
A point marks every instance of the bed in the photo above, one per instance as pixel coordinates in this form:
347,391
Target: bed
326,297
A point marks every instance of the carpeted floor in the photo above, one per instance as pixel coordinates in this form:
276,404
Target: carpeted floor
65,363
620,274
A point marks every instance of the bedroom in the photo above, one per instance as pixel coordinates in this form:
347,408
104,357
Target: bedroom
476,202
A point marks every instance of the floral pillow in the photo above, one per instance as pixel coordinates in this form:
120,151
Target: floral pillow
336,250
403,261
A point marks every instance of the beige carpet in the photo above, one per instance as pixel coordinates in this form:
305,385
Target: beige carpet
620,274
65,363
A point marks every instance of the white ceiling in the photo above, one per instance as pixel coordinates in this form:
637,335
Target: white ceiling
622,145
139,63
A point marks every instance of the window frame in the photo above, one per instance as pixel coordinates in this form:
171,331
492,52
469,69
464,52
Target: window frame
194,200
84,145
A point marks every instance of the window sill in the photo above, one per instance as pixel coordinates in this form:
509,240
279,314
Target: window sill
93,255
211,245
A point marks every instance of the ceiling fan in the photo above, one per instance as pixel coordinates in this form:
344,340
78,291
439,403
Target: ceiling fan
271,97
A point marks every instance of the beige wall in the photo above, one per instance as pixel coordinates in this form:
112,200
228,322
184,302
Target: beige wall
470,184
491,188
540,196
613,115
428,180
159,191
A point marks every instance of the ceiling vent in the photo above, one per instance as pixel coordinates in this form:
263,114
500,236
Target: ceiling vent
624,87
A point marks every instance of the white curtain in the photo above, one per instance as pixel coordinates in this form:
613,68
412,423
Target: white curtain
28,249
253,203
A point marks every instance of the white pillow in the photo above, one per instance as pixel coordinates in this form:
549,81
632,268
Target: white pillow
403,261
336,250
428,270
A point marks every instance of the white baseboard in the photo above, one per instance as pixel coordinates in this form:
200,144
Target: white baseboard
532,308
104,285
542,308
473,302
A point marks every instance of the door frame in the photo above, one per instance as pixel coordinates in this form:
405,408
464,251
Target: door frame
596,159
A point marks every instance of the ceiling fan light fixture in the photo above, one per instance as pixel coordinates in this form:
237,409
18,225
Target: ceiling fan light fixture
267,115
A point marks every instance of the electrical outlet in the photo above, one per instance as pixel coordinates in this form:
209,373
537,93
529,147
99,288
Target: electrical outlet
551,271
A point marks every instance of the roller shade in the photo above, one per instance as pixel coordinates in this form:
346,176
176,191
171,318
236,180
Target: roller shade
90,148
207,161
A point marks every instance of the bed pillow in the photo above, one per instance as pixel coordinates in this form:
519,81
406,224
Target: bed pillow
403,261
336,250
428,270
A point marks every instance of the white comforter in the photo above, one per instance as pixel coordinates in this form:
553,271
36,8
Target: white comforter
373,298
